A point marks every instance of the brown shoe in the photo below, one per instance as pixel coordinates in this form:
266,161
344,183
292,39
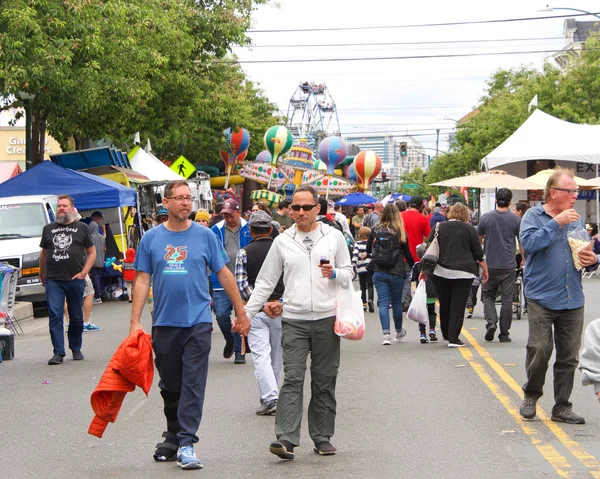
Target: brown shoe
325,449
283,449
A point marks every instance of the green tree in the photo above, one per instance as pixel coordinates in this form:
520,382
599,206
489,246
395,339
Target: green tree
572,95
107,69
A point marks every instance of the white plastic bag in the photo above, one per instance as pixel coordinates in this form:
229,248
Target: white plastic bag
350,316
417,311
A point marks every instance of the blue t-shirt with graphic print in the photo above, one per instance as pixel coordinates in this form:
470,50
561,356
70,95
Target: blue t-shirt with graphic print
177,262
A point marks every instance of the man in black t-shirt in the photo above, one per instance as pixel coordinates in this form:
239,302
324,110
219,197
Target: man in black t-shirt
63,268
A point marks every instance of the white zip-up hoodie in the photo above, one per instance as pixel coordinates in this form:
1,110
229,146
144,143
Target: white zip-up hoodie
308,295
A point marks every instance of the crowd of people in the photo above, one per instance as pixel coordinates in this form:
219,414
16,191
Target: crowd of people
279,272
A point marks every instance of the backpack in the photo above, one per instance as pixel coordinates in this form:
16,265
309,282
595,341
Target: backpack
386,249
369,221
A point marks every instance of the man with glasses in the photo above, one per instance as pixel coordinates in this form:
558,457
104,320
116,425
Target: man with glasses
234,234
313,258
554,295
175,256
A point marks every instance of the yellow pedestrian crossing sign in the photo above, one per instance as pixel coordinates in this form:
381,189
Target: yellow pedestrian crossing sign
183,167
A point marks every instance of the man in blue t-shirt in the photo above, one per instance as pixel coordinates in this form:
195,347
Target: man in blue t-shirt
175,256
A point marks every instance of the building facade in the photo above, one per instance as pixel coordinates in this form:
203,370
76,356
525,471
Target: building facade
576,33
388,149
12,139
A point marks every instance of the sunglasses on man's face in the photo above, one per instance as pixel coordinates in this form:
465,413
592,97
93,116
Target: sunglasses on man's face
303,207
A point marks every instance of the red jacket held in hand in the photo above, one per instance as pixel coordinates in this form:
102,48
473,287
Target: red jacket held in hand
130,366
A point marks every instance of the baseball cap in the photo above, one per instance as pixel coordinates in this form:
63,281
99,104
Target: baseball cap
260,219
162,212
504,195
76,214
416,201
230,206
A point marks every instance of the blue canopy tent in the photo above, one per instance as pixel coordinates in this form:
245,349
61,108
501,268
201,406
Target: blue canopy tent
356,199
88,191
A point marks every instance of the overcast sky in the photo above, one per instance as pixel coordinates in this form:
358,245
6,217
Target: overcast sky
402,95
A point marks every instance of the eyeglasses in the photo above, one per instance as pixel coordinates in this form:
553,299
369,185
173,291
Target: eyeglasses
180,199
303,207
571,192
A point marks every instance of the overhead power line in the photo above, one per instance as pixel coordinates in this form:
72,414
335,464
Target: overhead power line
406,57
377,44
446,24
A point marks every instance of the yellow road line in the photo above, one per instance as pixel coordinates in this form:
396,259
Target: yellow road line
550,454
572,446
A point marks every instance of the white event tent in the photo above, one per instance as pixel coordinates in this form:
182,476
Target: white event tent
149,165
544,137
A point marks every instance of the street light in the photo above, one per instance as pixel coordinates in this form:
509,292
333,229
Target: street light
27,98
551,9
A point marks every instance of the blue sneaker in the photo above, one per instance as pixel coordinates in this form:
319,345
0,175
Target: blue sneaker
186,458
87,327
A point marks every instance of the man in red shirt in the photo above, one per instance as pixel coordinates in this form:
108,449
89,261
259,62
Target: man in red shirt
417,229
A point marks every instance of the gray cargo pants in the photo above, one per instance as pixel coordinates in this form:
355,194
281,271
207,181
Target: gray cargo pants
298,339
568,326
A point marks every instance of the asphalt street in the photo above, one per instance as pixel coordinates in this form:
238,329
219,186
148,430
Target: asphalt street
407,410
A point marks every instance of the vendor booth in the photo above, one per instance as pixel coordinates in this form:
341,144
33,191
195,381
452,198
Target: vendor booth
543,142
8,170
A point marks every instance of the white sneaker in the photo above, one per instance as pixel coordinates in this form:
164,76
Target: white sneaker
400,334
387,339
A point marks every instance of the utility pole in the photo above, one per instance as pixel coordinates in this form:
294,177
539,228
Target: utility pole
437,143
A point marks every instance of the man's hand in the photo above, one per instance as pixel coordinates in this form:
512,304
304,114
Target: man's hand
566,217
326,270
241,324
273,309
135,326
422,277
43,280
587,256
80,275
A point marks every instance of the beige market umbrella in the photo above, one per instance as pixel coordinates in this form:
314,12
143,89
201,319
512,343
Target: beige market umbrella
592,184
541,178
491,179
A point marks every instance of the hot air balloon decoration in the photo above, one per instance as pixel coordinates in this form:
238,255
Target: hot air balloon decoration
332,152
263,157
352,173
237,148
367,165
278,140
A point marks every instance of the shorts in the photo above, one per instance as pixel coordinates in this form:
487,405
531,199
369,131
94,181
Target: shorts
89,287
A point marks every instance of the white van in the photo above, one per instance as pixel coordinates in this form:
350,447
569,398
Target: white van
22,219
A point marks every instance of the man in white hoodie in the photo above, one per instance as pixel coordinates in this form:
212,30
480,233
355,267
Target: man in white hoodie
313,257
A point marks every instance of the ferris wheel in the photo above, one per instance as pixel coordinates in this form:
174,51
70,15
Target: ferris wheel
312,113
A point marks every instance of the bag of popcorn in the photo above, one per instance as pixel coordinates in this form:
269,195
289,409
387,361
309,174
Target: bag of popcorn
579,239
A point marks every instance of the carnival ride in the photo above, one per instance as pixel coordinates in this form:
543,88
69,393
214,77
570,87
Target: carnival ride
312,114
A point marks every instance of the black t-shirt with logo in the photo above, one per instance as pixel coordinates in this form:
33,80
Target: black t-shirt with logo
66,247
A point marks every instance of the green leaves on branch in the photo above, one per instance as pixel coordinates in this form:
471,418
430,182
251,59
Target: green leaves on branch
572,95
106,69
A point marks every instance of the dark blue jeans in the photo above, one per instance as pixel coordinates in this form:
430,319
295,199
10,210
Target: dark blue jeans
56,293
222,307
389,291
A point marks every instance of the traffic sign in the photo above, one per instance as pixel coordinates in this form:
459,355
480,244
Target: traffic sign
183,167
410,186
